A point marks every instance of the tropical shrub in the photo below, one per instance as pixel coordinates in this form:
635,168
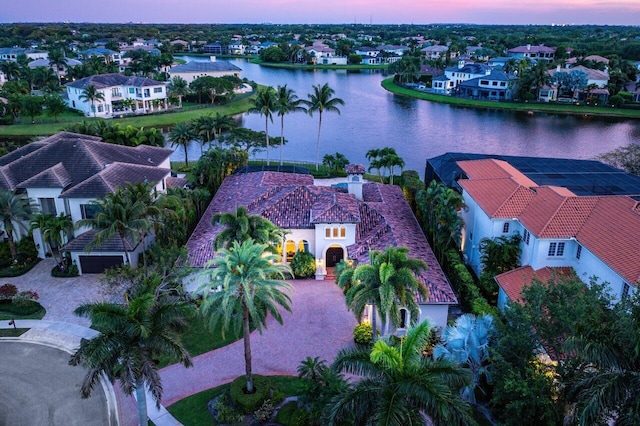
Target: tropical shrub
8,291
65,272
363,334
303,264
250,402
265,411
223,412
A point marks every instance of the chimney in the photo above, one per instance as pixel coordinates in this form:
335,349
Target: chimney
461,64
355,173
528,47
212,58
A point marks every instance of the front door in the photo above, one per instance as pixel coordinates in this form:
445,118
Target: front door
334,255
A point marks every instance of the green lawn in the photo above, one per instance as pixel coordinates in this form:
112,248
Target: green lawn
552,108
199,339
8,315
46,126
193,410
12,332
287,65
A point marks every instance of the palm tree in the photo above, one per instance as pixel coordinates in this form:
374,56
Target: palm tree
91,94
52,229
400,386
252,287
141,192
179,87
223,124
467,344
57,61
182,135
10,69
264,104
117,215
240,226
132,337
390,282
321,100
204,128
286,102
15,210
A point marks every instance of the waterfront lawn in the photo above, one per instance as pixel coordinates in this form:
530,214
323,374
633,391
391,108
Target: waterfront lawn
155,120
192,410
287,65
551,108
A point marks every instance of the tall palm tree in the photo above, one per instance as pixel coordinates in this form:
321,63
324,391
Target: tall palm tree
400,385
118,215
57,61
241,226
390,281
91,94
142,192
10,69
223,124
52,229
15,210
322,100
181,135
252,286
264,104
179,87
132,337
204,128
286,102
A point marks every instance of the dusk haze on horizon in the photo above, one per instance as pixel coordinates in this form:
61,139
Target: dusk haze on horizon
538,12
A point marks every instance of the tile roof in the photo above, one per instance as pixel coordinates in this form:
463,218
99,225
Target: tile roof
65,160
114,243
291,201
355,169
104,81
533,49
512,282
607,225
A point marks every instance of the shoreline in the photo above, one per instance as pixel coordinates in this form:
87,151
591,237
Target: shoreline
529,108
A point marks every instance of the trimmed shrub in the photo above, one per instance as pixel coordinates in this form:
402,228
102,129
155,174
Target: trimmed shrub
277,397
19,267
70,271
303,264
363,334
249,403
30,307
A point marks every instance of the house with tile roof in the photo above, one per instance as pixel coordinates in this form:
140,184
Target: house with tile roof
331,223
63,173
597,81
495,86
465,71
595,235
10,54
148,95
539,53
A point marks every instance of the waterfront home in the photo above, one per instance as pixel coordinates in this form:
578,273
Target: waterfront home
63,173
147,95
596,86
367,51
323,55
434,52
215,49
495,86
393,49
594,235
196,69
108,55
331,223
466,71
540,52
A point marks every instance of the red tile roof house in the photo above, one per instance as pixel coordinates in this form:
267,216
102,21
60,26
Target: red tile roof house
328,222
596,236
65,172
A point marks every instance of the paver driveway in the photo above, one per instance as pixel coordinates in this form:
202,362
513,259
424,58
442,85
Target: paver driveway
319,325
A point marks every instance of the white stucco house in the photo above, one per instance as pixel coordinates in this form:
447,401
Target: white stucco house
435,52
465,71
63,173
196,69
10,54
595,235
539,53
331,223
323,55
148,95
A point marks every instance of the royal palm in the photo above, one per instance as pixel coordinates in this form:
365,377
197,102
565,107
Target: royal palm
322,100
286,102
92,94
264,104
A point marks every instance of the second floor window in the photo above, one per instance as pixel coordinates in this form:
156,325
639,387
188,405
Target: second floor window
333,232
579,252
556,249
526,237
505,228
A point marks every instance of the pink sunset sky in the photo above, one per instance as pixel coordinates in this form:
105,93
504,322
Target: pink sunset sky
609,12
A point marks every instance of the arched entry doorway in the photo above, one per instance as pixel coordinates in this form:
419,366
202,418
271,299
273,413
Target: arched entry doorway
333,256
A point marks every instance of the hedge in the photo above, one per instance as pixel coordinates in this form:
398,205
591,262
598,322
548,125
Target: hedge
248,403
471,299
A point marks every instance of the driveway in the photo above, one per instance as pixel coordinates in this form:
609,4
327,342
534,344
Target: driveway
39,387
319,325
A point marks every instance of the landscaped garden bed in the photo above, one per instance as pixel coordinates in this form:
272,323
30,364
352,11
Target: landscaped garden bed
19,305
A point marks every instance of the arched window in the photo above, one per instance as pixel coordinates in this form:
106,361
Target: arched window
290,248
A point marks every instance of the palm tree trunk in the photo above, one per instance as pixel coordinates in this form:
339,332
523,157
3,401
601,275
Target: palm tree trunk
247,348
186,156
281,136
141,396
266,131
12,245
374,324
124,247
318,142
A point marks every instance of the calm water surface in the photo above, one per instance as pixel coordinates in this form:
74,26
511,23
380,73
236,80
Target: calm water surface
374,118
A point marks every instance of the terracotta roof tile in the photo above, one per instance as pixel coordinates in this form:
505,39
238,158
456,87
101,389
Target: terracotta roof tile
512,282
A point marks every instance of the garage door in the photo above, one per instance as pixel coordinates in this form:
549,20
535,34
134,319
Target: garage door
97,264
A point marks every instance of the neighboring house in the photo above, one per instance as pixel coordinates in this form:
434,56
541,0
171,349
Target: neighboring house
595,78
495,86
115,88
108,55
330,223
184,45
380,59
65,172
10,54
466,71
236,47
60,70
593,58
257,47
367,51
541,52
442,85
434,52
215,49
195,69
595,235
323,55
393,49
